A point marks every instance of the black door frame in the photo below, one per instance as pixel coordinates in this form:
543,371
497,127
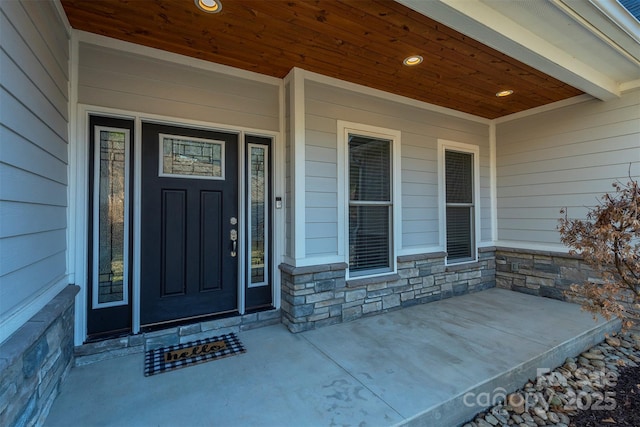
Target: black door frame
260,297
103,322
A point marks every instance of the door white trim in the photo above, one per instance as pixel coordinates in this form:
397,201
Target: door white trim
79,211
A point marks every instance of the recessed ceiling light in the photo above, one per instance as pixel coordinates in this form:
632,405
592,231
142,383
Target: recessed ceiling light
209,6
412,60
504,93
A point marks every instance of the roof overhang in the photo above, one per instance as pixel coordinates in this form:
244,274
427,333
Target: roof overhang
586,33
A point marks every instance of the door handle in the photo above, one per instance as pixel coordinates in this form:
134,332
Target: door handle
234,242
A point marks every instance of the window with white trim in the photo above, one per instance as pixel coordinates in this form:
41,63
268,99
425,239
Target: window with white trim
460,204
370,196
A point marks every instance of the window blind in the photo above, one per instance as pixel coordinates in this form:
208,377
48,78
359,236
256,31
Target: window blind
369,169
368,237
369,204
458,232
459,177
459,205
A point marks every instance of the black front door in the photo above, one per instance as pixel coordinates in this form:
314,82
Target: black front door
189,211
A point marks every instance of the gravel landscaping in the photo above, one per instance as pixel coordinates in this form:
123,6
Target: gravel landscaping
601,387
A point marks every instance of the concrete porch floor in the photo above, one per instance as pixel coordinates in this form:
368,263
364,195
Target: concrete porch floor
411,366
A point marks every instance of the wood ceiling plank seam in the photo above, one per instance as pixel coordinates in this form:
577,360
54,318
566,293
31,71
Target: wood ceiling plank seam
554,88
106,30
195,47
391,50
469,72
408,13
409,92
127,33
131,32
486,51
472,84
337,45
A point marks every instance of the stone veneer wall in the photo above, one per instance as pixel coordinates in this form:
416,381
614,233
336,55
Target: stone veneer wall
541,273
319,295
35,360
545,274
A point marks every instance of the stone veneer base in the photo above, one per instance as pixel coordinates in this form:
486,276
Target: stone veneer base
35,360
540,273
107,349
545,274
320,295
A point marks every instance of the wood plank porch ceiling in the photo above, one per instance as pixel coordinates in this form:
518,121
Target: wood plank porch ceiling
359,41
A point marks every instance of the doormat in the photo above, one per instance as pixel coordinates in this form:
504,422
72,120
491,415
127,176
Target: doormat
167,359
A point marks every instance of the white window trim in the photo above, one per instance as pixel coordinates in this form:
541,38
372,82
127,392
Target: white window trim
345,128
444,145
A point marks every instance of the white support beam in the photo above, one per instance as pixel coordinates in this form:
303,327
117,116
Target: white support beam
298,158
487,25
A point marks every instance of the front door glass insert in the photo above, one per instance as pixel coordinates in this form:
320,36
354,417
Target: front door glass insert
191,157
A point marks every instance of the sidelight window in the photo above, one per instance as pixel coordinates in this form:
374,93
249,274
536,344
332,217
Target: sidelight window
111,210
258,214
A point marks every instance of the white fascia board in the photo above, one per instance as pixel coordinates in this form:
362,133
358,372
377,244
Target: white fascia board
610,22
629,86
616,13
63,16
490,27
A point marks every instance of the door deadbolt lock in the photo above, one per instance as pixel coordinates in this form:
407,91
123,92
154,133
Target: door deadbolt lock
234,242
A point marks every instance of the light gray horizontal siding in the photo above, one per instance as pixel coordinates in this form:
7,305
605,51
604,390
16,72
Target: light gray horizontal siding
39,30
563,158
22,88
17,218
42,191
34,80
15,285
420,131
328,200
32,158
17,251
121,80
18,119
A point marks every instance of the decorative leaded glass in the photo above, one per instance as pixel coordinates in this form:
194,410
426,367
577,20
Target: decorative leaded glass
110,205
258,213
192,157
